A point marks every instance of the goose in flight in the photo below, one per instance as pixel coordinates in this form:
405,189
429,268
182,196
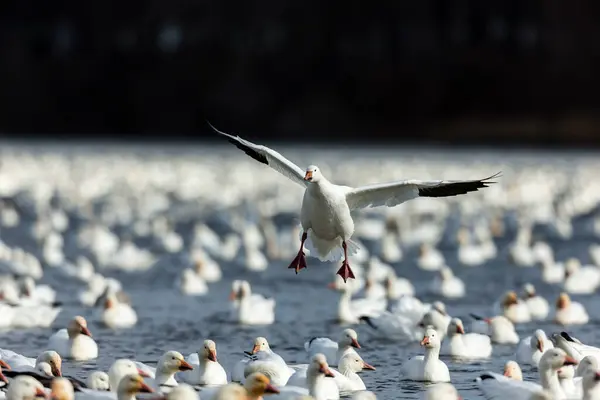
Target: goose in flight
327,225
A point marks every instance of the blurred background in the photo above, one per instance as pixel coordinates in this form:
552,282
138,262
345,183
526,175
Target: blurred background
443,71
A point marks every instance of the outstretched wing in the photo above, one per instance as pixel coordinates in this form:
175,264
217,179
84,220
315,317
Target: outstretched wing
394,193
267,156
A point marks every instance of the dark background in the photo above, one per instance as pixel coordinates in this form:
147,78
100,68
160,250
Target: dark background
453,71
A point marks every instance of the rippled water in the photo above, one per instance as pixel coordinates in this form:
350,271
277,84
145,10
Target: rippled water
305,308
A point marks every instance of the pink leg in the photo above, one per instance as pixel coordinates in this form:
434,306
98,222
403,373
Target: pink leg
300,261
345,271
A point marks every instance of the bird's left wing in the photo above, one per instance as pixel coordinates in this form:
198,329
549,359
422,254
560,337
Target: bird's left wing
267,156
394,193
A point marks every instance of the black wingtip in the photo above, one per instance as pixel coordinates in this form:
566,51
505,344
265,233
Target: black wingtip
484,377
476,317
566,336
368,321
311,340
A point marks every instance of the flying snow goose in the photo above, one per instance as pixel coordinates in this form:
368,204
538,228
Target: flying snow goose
325,214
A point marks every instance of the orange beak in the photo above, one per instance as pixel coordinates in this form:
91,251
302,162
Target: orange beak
308,176
144,388
506,372
487,320
5,365
368,366
40,393
86,331
185,366
55,370
570,361
540,346
460,329
425,341
255,349
212,355
331,285
3,378
271,389
232,296
143,374
325,370
355,343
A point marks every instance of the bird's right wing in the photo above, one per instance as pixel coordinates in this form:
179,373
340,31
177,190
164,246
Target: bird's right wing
267,156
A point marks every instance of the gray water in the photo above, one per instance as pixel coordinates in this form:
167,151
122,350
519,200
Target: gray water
305,308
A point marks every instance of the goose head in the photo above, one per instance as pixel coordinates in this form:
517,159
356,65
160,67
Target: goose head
313,174
563,301
260,344
353,362
455,327
235,287
431,339
209,351
537,340
587,363
528,291
590,381
349,337
554,359
121,368
510,298
25,387
257,385
231,391
44,369
78,325
131,385
98,380
53,359
318,365
513,370
172,362
61,389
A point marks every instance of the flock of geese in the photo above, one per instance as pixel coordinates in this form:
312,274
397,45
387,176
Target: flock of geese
81,216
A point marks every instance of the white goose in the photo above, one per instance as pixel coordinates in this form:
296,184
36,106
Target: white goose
428,368
75,342
531,348
569,312
327,224
116,314
168,365
537,305
333,351
207,370
318,381
252,310
495,386
501,329
448,285
262,359
350,310
513,308
98,380
470,345
346,379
